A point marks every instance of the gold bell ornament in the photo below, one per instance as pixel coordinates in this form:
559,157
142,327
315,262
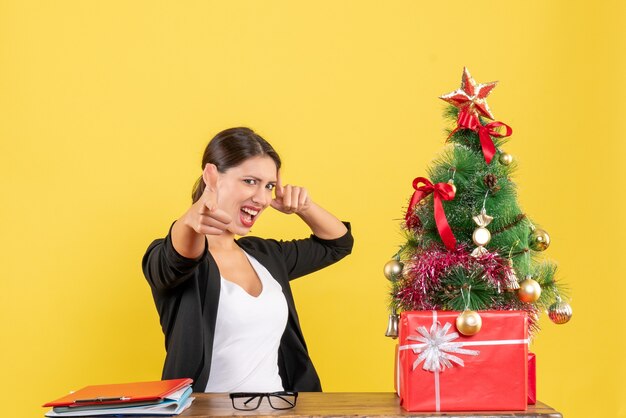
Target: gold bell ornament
392,326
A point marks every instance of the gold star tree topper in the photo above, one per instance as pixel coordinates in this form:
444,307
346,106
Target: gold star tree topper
471,98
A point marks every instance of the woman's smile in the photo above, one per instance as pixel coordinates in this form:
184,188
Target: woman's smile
248,215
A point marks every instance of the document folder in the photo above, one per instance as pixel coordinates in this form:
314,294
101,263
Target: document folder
173,404
121,394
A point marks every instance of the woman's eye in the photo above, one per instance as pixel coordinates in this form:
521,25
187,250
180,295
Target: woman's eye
271,186
251,182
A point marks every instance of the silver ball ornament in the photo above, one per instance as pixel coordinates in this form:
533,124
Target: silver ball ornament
393,269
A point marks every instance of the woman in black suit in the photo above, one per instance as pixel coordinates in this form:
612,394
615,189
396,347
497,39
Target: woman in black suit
225,304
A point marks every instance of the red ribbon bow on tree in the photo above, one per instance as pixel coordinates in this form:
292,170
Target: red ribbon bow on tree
486,132
469,120
440,191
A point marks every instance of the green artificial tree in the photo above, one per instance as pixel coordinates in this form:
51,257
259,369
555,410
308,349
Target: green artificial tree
469,245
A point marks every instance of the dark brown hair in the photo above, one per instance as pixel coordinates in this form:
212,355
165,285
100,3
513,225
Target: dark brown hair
230,148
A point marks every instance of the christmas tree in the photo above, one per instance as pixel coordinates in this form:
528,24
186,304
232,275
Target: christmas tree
469,245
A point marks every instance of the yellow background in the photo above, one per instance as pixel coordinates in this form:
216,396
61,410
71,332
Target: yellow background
105,108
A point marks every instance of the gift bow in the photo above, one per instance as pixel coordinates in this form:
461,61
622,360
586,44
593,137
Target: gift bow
486,132
436,348
469,120
440,191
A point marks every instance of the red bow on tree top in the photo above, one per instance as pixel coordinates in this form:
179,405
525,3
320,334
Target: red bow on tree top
471,100
440,191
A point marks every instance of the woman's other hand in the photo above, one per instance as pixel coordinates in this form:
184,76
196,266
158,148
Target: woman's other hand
290,199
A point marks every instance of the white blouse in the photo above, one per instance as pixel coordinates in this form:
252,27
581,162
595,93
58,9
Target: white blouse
247,336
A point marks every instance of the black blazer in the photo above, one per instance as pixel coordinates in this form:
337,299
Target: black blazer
186,294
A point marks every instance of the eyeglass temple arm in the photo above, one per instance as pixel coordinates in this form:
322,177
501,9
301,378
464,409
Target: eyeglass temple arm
253,397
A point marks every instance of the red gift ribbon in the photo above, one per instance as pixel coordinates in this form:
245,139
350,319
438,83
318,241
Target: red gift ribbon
468,120
440,191
486,132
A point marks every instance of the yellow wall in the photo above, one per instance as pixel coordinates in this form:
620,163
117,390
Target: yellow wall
105,107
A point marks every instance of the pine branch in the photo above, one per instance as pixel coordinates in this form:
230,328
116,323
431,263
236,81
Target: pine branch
463,289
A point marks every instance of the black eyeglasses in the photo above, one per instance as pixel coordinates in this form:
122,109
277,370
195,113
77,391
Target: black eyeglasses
249,401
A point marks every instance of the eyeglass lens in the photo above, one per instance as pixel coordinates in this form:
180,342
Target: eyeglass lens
280,401
248,403
251,402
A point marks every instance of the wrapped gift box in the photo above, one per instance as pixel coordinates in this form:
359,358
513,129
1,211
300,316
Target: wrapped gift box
443,370
532,379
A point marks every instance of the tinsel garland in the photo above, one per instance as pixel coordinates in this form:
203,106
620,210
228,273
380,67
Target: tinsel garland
425,267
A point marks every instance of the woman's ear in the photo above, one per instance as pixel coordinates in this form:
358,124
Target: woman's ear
210,176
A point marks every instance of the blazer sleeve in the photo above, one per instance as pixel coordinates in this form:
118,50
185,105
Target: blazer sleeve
305,256
165,268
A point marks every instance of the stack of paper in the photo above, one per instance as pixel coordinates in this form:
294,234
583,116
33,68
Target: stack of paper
164,397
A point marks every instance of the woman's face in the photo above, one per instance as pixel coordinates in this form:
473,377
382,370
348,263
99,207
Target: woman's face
244,191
